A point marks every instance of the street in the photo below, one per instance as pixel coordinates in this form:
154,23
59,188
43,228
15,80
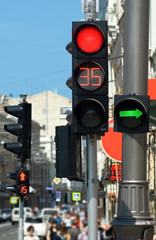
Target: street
8,231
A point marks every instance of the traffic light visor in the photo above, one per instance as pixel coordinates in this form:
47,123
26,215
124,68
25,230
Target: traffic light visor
89,38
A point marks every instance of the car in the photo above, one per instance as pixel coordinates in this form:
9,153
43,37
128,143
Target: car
64,210
5,215
46,213
39,224
28,211
15,214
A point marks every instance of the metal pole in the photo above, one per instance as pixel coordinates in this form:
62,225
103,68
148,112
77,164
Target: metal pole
47,113
92,187
90,14
21,220
92,192
90,10
133,219
107,210
136,76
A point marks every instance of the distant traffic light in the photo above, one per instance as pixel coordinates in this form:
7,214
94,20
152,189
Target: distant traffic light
12,175
22,130
131,114
90,77
21,188
68,153
22,183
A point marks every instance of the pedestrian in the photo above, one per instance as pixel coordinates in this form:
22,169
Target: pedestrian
35,211
52,230
79,222
110,233
59,235
58,219
65,232
51,219
74,230
67,221
84,234
31,235
154,237
100,231
82,215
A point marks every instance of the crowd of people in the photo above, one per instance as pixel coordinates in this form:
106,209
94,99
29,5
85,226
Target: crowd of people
71,227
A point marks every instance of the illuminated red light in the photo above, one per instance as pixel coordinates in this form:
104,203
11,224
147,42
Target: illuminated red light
22,176
90,39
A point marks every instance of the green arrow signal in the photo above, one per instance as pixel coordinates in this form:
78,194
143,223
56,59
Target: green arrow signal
131,113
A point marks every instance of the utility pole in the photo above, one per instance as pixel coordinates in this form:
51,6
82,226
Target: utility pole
133,221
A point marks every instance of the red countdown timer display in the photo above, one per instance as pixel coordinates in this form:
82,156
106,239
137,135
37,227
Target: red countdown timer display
23,190
90,76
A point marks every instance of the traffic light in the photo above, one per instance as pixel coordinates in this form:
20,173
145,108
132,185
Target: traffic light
131,113
21,188
90,77
22,130
68,153
12,188
22,183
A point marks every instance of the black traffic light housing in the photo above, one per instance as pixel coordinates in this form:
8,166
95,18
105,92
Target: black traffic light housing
22,183
68,153
90,77
21,188
22,130
131,113
12,175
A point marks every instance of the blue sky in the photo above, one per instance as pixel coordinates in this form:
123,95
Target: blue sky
33,37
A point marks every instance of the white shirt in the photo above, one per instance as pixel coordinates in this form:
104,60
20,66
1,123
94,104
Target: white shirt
67,222
31,238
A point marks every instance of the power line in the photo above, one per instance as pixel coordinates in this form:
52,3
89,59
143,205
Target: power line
35,77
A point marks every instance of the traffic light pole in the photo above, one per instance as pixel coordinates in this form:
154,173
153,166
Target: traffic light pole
90,10
92,193
21,219
92,190
133,219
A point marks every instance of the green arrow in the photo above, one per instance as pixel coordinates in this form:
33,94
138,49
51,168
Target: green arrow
131,113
